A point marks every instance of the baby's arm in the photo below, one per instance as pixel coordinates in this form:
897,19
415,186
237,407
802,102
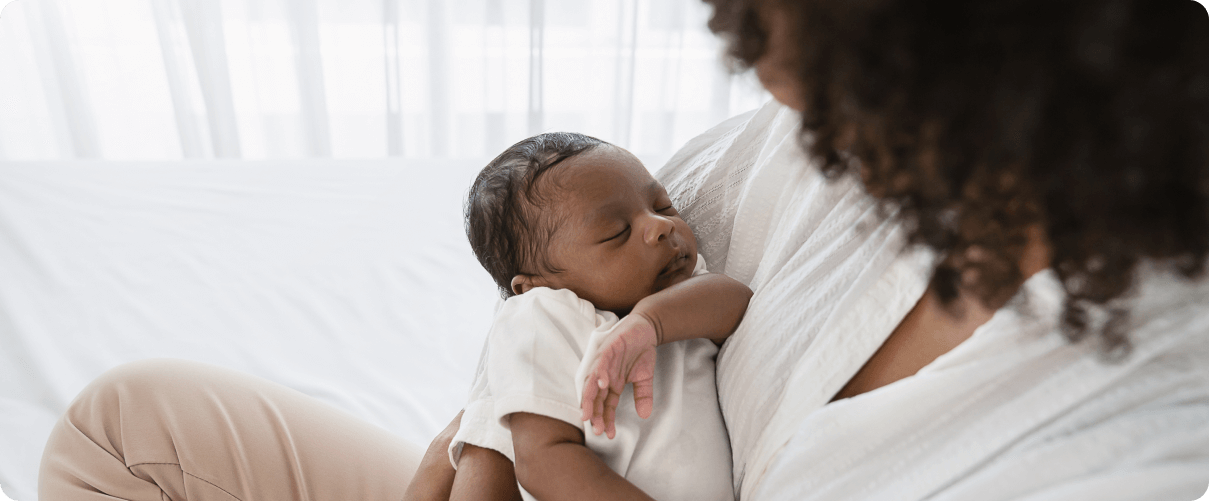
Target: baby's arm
482,474
553,463
706,306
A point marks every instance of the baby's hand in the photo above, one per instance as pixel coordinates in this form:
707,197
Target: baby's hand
626,356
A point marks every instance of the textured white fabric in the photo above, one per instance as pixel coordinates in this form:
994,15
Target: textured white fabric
537,352
1016,412
830,277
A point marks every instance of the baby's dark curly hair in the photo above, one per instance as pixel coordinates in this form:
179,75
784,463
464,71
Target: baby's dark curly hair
978,120
506,217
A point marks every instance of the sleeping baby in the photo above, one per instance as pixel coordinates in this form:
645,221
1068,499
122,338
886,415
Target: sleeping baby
598,270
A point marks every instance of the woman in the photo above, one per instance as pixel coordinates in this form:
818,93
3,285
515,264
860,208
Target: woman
1009,137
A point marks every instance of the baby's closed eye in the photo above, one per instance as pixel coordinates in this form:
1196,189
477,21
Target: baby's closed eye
618,235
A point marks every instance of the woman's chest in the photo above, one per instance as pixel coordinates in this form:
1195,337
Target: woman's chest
929,330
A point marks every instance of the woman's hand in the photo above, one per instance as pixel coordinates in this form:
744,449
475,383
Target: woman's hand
434,479
627,355
484,475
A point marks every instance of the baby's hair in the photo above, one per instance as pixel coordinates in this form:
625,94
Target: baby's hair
507,229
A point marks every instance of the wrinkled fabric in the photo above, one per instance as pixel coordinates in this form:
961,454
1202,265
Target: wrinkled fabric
170,429
831,275
1017,412
1013,412
350,281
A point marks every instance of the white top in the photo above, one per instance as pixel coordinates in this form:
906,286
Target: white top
1013,413
1016,412
531,363
831,279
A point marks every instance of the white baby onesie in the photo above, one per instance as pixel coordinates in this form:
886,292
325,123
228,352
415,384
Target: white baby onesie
531,363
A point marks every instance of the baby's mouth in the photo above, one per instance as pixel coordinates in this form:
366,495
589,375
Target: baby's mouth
672,265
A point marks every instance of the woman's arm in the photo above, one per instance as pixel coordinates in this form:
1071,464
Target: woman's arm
553,464
482,474
434,479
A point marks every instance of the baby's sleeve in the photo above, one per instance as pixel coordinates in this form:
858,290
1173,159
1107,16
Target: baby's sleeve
479,426
534,350
700,269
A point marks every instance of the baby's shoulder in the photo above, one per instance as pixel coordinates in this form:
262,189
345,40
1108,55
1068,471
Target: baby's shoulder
539,300
543,304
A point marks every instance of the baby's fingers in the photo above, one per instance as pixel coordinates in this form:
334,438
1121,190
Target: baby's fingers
610,413
598,410
588,402
644,397
585,402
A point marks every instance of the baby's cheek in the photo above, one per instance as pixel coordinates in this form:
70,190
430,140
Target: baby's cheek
622,292
684,229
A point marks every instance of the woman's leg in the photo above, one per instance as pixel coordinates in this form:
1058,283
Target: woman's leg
173,429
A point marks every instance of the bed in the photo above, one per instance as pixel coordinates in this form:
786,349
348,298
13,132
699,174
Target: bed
348,280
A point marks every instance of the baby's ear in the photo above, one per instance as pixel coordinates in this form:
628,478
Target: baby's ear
522,283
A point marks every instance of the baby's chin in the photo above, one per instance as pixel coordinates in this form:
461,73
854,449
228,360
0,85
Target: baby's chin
623,303
622,306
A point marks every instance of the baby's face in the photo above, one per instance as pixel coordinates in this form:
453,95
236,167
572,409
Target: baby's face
618,238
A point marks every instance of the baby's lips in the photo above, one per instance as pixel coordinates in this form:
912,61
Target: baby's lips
674,264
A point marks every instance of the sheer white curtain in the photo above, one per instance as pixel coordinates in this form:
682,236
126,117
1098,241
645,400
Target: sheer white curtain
169,79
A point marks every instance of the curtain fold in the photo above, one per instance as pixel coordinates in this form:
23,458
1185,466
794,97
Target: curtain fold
438,72
537,28
178,72
67,106
391,62
203,23
304,26
167,79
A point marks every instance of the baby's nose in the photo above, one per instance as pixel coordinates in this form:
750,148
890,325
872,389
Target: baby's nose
658,229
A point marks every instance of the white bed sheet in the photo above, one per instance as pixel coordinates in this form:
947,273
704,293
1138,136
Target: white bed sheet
347,280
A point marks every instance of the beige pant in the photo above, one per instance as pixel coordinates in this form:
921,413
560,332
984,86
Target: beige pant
172,429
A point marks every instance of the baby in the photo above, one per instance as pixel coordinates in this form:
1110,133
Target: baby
597,269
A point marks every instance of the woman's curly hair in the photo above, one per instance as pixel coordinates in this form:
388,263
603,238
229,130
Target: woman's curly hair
980,121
